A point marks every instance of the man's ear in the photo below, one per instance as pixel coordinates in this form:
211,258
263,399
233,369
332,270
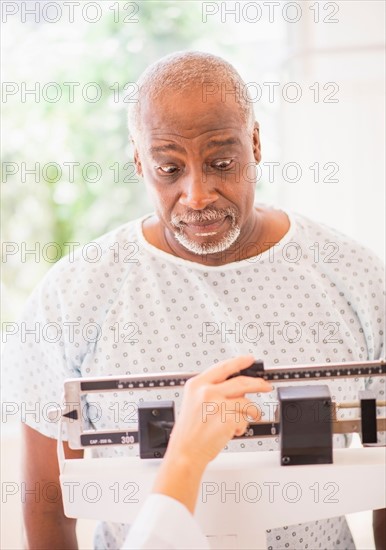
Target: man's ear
256,142
137,161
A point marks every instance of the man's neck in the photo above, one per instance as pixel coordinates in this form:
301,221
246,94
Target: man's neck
266,228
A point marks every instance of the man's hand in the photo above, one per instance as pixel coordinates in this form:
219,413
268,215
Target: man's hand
213,410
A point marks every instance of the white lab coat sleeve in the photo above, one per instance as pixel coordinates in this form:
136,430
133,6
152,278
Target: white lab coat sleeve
165,523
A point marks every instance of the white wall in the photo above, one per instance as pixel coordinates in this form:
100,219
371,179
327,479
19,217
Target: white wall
351,132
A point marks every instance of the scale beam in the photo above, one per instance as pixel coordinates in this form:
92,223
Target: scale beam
274,374
322,490
75,388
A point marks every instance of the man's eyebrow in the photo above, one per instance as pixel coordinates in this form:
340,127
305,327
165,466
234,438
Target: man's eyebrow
166,148
215,142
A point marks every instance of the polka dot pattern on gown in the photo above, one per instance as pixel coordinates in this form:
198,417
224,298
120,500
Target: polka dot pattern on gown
316,296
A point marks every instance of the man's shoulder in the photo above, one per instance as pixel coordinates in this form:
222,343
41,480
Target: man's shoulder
114,252
327,240
122,234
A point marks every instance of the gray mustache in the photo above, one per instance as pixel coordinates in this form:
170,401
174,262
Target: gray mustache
204,216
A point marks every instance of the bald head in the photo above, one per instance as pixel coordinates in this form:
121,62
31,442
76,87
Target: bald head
179,72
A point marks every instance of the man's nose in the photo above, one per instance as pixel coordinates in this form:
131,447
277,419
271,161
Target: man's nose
197,192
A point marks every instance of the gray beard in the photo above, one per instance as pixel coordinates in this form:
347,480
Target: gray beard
209,247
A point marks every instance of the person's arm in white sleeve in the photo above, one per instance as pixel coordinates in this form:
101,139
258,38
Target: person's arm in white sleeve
166,519
164,522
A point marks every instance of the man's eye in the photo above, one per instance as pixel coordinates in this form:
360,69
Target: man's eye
167,169
222,164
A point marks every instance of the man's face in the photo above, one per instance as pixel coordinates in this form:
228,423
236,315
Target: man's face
198,160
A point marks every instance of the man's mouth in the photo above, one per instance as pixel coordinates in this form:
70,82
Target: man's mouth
206,228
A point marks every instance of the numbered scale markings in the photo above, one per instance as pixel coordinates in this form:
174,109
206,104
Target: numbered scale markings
280,374
170,380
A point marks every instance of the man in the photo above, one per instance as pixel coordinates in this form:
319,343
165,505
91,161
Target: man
208,276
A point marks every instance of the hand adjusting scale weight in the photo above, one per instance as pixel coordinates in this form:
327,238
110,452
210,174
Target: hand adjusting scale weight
307,414
305,424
